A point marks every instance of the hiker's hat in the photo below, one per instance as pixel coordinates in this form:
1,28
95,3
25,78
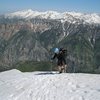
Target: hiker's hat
56,50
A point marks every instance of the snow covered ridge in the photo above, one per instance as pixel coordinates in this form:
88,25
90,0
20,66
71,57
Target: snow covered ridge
69,16
15,85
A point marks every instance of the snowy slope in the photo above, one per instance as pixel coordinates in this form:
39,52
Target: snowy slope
66,16
15,85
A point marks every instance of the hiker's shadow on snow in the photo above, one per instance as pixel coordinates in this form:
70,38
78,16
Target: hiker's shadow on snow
44,73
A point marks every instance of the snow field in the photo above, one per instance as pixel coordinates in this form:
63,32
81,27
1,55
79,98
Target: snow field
15,85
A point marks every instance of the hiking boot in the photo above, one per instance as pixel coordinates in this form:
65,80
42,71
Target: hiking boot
60,72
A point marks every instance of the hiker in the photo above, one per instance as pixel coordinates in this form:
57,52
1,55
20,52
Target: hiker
60,55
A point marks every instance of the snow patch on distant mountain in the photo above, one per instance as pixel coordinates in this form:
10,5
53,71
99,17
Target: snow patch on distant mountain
32,14
66,16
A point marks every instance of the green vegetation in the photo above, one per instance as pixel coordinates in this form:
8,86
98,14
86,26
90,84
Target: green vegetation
29,66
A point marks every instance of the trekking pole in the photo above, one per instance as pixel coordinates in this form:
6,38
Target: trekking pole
51,66
74,68
50,61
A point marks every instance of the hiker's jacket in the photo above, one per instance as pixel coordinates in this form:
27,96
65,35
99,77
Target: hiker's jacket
61,57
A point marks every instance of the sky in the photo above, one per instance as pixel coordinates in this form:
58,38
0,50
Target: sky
85,6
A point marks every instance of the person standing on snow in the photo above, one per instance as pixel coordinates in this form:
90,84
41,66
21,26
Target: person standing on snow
60,55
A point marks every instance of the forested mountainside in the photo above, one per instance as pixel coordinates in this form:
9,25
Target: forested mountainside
29,40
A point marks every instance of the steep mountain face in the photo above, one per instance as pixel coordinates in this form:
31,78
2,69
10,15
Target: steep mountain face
31,38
